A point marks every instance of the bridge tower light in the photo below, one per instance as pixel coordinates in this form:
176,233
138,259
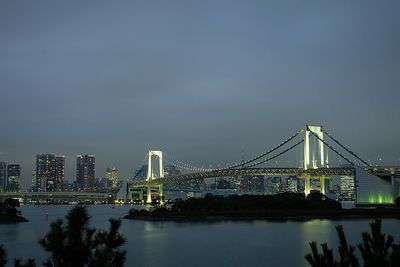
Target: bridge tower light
311,160
150,172
308,161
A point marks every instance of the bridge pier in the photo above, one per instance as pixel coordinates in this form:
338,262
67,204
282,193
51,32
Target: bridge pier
149,199
322,185
307,185
148,195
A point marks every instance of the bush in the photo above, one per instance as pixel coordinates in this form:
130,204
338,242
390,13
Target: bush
75,244
376,249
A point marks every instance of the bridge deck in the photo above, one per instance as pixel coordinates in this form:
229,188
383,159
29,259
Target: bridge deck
321,172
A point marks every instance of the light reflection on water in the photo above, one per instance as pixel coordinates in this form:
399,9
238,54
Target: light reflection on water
227,243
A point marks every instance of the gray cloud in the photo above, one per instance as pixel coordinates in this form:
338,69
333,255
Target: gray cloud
201,80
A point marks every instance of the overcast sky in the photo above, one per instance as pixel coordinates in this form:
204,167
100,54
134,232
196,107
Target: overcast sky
202,80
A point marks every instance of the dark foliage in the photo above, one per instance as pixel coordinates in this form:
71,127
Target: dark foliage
8,206
291,201
28,263
3,256
76,244
17,262
376,249
397,202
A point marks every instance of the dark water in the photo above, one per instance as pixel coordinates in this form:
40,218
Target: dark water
256,243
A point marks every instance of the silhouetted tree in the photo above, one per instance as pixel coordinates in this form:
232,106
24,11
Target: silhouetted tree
376,250
346,252
397,202
76,244
17,262
320,260
3,256
28,263
108,253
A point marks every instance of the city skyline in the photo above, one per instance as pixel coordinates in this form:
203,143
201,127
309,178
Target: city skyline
202,81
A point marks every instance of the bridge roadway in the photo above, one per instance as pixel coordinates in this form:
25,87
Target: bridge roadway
62,196
320,172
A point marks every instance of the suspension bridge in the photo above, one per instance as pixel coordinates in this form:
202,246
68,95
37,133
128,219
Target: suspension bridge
313,141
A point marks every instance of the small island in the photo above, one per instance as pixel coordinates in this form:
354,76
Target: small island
9,212
284,206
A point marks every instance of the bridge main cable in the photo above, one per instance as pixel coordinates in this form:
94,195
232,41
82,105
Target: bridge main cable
265,153
348,150
182,165
334,150
277,155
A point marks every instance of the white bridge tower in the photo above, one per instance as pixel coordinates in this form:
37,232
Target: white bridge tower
314,154
151,175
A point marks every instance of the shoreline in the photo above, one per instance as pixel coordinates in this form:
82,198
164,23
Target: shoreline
12,219
353,214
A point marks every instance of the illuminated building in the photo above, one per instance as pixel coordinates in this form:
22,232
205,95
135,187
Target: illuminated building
45,172
273,185
13,177
347,189
85,170
33,180
59,178
292,184
112,176
3,176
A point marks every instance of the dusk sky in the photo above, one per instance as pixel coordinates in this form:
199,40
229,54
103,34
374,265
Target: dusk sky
201,80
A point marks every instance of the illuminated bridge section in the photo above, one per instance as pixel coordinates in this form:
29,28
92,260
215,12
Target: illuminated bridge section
57,196
371,184
373,190
299,172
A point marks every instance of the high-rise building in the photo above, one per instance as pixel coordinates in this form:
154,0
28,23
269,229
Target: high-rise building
33,180
3,176
112,176
85,166
45,172
292,184
50,172
347,188
59,178
13,177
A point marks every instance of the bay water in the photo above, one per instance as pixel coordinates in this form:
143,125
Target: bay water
225,243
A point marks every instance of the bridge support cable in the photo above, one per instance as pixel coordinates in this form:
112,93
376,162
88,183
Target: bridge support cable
242,164
275,156
186,166
348,150
182,167
334,150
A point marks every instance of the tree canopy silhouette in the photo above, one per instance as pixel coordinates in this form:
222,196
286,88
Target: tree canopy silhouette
76,244
376,249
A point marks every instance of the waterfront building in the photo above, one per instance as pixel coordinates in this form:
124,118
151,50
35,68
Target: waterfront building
244,183
49,174
257,184
169,170
13,177
85,171
112,176
273,185
347,188
292,184
45,172
3,176
59,178
33,180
